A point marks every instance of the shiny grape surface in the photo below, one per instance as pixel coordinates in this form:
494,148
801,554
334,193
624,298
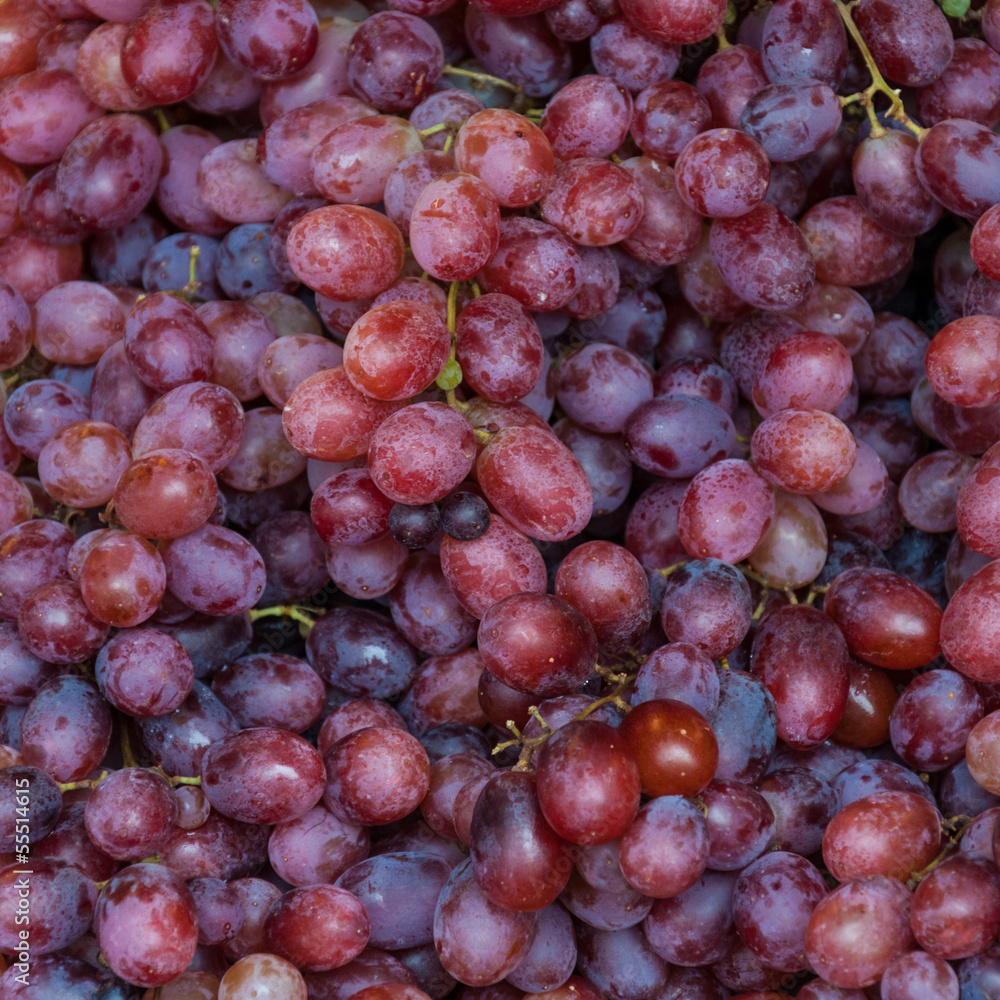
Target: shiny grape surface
498,498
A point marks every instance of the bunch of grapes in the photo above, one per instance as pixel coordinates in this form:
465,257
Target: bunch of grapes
499,498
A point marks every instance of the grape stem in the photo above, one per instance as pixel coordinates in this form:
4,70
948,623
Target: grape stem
451,374
72,786
161,119
296,612
128,759
530,744
878,85
432,130
480,77
954,828
668,570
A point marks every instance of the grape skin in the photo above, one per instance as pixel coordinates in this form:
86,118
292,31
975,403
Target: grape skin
318,584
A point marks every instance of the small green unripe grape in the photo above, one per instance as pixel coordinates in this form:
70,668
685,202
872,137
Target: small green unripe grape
451,376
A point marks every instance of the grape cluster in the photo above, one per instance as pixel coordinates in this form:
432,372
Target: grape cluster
499,498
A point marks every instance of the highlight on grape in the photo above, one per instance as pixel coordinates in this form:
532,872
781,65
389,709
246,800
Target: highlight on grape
499,498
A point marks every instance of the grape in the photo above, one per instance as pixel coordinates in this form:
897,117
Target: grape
146,924
262,775
76,322
899,626
289,360
131,814
675,747
510,473
421,453
16,503
725,511
57,626
888,188
109,171
585,754
670,827
38,410
454,226
601,385
791,120
772,900
477,941
697,376
349,509
721,172
361,653
168,265
804,38
534,263
396,350
523,51
605,462
326,418
593,201
911,41
509,153
323,76
517,860
81,463
395,57
707,603
620,964
803,450
239,335
806,370
607,583
631,57
325,251
587,117
443,107
740,824
958,361
414,525
696,927
427,612
381,142
169,50
316,928
848,247
17,326
21,112
271,689
678,435
690,21
375,776
918,974
764,258
793,550
948,165
537,643
891,359
669,229
501,562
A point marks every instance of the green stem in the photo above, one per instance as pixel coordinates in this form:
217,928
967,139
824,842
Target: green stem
878,85
451,375
432,130
293,611
531,744
479,77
